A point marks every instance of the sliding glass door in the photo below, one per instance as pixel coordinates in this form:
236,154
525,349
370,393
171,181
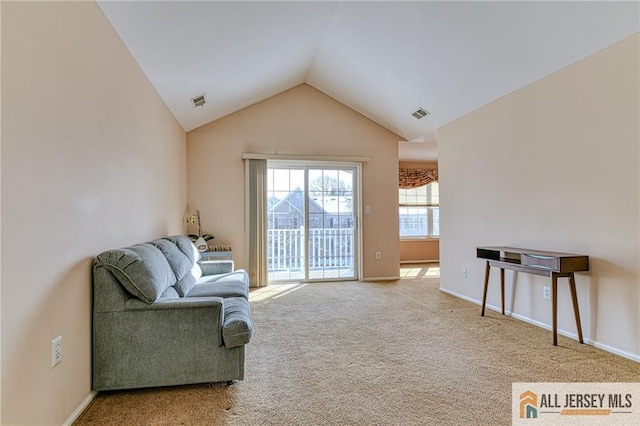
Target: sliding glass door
312,222
286,260
331,224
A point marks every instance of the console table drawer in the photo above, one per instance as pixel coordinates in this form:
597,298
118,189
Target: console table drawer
540,261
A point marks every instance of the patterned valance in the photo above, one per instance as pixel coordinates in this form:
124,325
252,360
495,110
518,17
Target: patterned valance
413,178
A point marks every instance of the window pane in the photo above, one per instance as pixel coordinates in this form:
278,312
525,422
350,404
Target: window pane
414,196
433,194
419,211
413,222
436,221
421,196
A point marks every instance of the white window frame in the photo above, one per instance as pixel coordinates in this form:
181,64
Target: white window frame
429,216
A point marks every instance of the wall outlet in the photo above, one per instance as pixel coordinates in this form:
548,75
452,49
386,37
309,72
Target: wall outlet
546,292
378,255
367,209
464,272
56,351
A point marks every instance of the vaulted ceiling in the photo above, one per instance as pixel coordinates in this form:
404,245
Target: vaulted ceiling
383,59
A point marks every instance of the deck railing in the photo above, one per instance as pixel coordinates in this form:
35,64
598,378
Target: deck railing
327,248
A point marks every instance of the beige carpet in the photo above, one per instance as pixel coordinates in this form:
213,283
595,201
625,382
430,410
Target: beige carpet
352,353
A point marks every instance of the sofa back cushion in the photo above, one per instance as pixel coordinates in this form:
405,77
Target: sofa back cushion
185,245
188,249
179,262
141,269
184,286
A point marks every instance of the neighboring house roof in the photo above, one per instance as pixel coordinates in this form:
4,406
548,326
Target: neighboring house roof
334,205
294,202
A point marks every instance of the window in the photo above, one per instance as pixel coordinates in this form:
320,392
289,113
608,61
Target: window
419,212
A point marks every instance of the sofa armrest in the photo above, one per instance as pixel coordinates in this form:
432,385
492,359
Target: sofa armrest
134,304
158,344
216,267
203,316
237,328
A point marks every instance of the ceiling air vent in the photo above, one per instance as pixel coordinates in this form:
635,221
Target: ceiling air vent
420,112
198,101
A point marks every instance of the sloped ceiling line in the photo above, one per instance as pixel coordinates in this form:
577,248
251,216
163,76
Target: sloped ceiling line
383,59
324,36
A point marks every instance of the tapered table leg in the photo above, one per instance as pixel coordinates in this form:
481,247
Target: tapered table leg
502,288
576,310
486,286
554,307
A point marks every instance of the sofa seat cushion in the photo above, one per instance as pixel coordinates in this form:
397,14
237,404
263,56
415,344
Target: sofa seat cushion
234,284
239,276
219,289
237,327
141,269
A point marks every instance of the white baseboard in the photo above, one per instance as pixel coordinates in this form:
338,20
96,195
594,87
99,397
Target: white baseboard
617,351
607,348
381,279
79,410
403,262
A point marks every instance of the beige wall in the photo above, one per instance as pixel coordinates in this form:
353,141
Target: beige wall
419,250
91,160
553,166
301,121
412,251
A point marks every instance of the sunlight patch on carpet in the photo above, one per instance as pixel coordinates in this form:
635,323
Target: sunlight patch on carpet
273,291
417,272
432,272
409,273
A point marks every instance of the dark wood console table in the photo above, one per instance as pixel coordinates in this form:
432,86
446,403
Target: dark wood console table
545,263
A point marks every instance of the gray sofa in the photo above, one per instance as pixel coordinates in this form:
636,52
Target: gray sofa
161,317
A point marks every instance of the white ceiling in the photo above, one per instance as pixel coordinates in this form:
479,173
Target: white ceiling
383,59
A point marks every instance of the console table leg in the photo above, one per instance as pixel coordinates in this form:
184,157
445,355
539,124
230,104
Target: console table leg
554,307
576,310
486,286
502,288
